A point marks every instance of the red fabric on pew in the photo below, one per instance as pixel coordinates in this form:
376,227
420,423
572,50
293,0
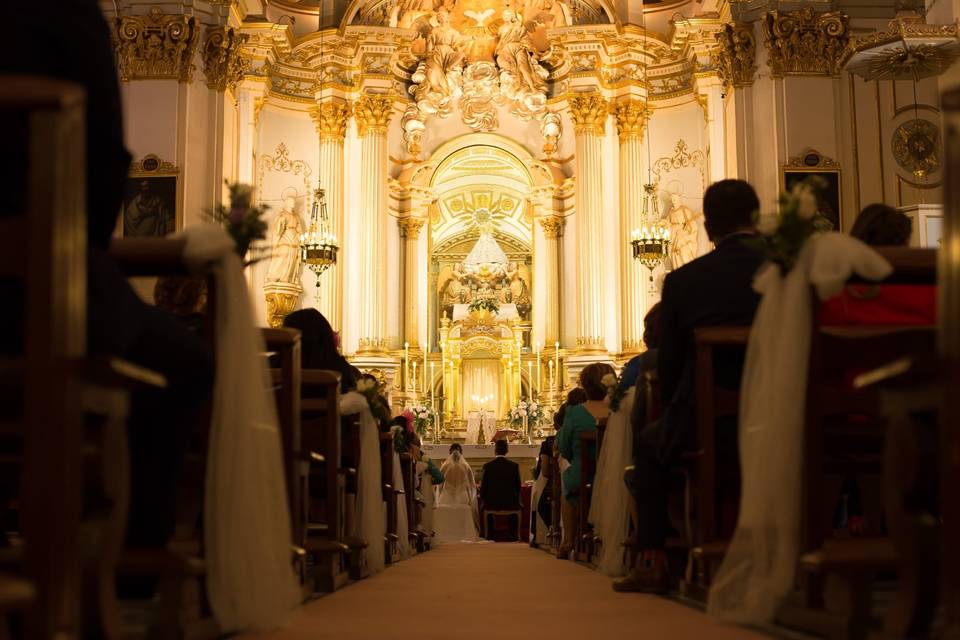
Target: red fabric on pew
881,305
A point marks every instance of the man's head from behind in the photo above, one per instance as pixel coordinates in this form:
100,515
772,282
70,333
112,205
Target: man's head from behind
501,447
729,206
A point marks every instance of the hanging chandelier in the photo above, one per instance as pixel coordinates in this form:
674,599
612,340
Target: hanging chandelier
652,240
318,246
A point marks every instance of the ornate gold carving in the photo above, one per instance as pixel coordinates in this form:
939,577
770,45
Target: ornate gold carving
737,54
281,162
589,112
907,50
812,159
551,226
805,42
156,46
632,118
916,147
223,64
411,226
681,159
257,108
281,298
331,120
372,112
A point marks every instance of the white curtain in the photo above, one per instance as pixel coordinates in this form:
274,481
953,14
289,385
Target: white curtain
758,570
247,536
481,379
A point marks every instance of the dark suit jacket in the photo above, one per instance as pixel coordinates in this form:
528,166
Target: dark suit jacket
500,487
715,289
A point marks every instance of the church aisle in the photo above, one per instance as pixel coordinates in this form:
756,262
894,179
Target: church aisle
495,591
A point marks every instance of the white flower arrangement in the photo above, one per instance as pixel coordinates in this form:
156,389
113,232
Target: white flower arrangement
423,418
531,410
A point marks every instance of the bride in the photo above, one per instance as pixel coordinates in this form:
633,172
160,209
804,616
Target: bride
455,519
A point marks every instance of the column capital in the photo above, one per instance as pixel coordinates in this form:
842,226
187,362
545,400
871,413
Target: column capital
372,113
632,116
589,112
223,64
736,56
411,226
551,226
331,120
156,46
787,34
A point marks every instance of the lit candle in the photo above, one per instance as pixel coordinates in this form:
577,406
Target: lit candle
406,366
423,373
530,379
556,358
414,376
432,404
537,353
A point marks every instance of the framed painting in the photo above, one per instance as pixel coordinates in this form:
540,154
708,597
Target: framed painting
812,163
151,202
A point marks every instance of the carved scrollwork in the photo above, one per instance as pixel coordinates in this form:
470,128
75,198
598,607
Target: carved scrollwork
223,65
806,42
736,55
155,46
589,112
372,113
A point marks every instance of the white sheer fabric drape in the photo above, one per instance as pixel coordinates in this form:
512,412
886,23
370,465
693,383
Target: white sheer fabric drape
481,385
611,501
247,538
758,570
371,523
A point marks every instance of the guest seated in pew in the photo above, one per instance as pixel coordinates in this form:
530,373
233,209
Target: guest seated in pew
879,225
320,346
162,421
715,289
578,419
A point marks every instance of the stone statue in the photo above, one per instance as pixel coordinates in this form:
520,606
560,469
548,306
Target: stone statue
516,57
684,225
285,257
444,60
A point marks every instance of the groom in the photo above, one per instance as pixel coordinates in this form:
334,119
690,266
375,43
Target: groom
500,486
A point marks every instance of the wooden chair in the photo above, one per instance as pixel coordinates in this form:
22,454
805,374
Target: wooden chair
495,514
319,452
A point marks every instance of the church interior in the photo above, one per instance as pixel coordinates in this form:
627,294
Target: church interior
344,318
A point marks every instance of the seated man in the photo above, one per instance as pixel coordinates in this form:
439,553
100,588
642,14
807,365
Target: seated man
500,486
715,289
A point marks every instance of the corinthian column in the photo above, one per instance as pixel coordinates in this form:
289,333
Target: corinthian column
632,116
589,113
372,113
410,230
331,120
551,278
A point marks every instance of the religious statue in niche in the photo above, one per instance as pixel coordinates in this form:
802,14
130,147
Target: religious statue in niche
684,224
285,256
478,54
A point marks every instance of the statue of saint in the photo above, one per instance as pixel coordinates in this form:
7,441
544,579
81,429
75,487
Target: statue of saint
515,54
444,56
285,257
684,225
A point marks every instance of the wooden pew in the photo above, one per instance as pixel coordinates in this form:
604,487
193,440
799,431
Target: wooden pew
408,467
390,496
554,536
319,451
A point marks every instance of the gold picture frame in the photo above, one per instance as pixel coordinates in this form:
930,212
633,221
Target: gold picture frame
811,162
151,200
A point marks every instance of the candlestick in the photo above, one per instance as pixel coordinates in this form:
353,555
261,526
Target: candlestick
414,376
424,370
530,379
537,354
556,359
432,403
406,366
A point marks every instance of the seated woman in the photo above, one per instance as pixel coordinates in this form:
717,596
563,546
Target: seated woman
320,346
456,517
579,419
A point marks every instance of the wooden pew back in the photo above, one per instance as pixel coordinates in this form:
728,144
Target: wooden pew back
284,345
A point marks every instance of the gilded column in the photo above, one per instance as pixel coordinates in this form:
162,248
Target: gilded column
631,116
552,225
331,120
589,112
372,113
410,230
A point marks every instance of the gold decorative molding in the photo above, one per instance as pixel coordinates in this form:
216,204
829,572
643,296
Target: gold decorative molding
589,112
257,108
223,65
737,54
331,120
281,297
806,42
411,226
155,46
551,226
812,159
372,113
632,116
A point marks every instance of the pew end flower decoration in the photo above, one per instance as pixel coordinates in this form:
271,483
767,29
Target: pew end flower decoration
531,410
615,391
371,391
783,234
244,222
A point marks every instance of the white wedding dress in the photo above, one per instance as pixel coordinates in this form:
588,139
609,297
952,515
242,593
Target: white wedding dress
455,518
757,573
246,521
610,506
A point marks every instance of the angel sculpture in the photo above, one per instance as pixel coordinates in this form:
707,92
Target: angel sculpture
444,60
516,57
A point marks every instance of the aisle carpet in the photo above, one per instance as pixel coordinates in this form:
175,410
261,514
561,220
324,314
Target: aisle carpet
486,592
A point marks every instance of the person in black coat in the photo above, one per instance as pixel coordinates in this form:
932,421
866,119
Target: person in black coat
500,486
715,289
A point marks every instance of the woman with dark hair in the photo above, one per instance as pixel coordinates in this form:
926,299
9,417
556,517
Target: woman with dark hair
579,419
880,225
320,346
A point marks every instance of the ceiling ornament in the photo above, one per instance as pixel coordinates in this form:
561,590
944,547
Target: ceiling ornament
736,56
155,46
223,65
907,50
806,42
478,55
